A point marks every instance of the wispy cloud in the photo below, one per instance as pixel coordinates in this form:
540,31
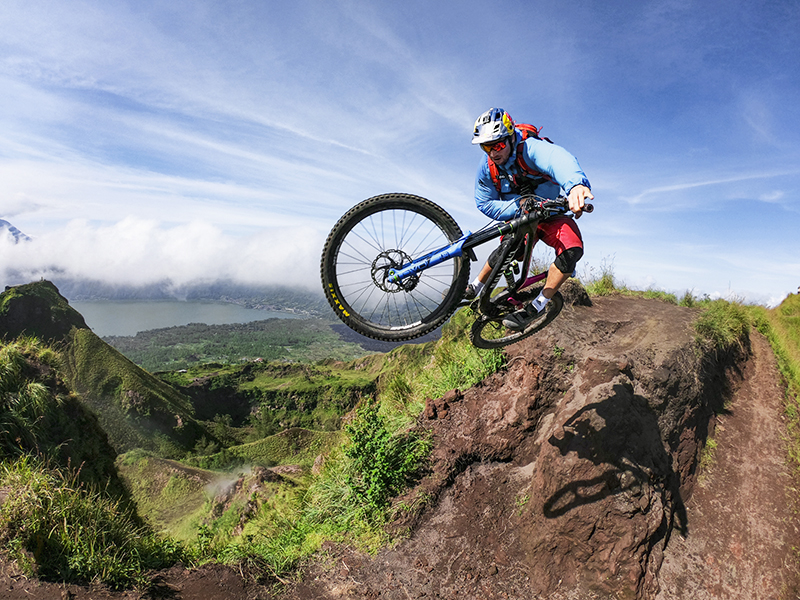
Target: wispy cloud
651,193
197,124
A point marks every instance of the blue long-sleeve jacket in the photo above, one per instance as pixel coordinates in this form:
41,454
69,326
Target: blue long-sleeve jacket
550,159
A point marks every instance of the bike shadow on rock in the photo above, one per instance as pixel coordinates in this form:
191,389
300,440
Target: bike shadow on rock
620,437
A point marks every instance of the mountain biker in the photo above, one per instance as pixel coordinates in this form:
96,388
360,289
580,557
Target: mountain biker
548,171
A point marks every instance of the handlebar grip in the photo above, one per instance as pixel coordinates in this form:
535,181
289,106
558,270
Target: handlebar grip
588,208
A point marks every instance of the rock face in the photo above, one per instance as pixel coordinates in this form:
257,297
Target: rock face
564,476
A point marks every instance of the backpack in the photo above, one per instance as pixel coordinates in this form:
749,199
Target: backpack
532,174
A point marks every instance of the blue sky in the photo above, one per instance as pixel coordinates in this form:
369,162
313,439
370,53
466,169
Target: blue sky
190,141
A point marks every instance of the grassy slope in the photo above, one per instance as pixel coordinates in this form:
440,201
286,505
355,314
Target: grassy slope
135,408
170,496
781,326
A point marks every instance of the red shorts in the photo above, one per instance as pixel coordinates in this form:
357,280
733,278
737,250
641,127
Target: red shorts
560,233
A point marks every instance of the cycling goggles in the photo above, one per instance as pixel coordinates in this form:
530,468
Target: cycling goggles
499,145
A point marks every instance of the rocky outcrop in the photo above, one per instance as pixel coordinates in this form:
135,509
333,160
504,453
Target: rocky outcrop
39,310
564,476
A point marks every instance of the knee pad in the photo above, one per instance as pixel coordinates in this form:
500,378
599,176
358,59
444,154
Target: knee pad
566,261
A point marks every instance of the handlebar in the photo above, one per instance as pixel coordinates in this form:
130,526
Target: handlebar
535,203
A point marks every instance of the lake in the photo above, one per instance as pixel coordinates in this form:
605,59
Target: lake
128,317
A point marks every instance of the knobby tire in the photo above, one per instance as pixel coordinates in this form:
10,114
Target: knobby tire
490,333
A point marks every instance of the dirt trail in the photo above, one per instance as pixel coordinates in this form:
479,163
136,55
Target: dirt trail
741,522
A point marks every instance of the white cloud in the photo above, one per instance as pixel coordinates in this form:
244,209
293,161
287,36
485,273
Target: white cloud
140,252
649,193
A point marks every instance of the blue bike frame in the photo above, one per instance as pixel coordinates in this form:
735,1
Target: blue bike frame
464,244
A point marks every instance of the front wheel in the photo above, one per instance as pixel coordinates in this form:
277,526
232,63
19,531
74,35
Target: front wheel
383,233
489,332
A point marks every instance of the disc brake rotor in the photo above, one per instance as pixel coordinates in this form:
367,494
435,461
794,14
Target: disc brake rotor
387,261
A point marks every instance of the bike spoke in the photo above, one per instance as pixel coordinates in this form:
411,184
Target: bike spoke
389,238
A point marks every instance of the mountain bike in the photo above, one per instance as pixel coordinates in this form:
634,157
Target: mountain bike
396,266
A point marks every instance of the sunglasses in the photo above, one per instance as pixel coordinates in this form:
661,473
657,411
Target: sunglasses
499,146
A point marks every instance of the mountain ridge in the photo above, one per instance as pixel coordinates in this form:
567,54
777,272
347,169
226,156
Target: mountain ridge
7,228
135,408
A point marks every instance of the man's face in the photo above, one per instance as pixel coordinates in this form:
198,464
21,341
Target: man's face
499,151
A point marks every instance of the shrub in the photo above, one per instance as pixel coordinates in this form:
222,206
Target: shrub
24,401
600,283
724,324
383,463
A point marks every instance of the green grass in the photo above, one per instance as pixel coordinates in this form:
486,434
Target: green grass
136,409
60,531
294,446
781,326
381,454
603,282
723,324
26,401
454,364
168,495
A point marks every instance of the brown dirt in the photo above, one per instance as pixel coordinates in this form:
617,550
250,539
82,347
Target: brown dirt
213,582
741,518
565,477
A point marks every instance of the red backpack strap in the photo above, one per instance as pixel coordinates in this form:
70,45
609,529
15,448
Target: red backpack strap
493,173
530,131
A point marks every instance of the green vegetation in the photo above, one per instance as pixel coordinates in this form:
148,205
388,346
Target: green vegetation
383,462
724,324
136,409
781,326
169,495
381,453
295,340
40,415
38,310
296,446
602,282
25,401
60,531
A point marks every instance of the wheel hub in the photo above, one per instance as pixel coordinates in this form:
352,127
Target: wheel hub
387,261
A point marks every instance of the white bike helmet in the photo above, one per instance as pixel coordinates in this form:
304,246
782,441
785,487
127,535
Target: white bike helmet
493,125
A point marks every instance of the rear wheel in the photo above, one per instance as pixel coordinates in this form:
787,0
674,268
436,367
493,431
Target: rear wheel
387,232
489,332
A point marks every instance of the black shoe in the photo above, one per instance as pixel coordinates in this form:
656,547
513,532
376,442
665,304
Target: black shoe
470,294
518,320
